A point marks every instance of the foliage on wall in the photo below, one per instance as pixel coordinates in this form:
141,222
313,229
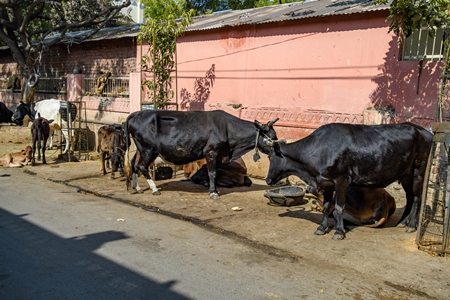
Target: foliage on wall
161,33
202,91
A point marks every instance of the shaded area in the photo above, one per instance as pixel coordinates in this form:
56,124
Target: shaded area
405,95
37,264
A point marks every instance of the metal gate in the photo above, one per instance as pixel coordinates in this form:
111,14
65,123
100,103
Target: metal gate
433,229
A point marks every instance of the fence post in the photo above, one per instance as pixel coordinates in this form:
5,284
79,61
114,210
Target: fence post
75,86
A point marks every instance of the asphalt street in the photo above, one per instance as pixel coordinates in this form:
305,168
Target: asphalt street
57,243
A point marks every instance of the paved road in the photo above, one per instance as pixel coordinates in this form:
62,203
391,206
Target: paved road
57,243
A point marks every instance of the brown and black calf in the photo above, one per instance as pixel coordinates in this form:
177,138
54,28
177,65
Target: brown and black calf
40,132
370,207
17,159
111,145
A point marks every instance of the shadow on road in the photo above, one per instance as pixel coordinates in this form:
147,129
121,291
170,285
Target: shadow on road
37,264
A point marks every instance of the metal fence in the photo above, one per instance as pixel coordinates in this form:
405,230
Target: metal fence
49,85
117,87
46,85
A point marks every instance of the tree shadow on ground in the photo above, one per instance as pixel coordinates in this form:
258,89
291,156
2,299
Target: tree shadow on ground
38,263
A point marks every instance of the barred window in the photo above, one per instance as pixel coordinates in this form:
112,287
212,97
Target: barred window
420,45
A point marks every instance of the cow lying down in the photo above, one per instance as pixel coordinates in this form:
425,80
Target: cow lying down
18,159
365,206
228,175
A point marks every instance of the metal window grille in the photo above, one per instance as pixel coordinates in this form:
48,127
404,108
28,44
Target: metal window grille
47,85
53,85
3,84
116,87
421,46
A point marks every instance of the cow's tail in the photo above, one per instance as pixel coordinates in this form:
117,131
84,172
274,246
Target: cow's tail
377,224
127,166
39,135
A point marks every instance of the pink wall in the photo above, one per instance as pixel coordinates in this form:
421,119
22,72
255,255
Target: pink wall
307,72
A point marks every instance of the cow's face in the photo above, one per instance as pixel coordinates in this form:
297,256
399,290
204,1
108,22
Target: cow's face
28,152
116,160
276,167
267,135
21,111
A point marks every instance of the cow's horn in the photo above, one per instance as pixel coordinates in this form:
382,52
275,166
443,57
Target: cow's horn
273,121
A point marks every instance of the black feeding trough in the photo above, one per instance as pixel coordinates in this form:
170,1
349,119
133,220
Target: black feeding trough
286,196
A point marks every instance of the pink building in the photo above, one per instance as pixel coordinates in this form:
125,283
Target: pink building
308,63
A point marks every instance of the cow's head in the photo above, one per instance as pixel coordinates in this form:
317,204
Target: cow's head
266,137
27,152
278,168
21,111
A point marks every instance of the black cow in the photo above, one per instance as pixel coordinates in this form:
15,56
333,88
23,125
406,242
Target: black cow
337,155
40,131
228,175
5,114
182,137
54,110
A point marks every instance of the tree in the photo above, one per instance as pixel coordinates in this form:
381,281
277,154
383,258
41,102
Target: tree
166,20
28,27
205,6
409,15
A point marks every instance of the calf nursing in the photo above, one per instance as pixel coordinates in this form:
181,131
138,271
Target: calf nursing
370,207
336,156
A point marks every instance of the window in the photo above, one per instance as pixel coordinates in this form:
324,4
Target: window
420,44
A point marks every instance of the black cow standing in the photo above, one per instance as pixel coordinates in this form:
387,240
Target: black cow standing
5,114
40,131
183,137
336,156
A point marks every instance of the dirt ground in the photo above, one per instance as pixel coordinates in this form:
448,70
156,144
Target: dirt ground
387,258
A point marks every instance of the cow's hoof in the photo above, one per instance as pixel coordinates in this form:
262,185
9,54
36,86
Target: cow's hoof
401,225
319,232
214,196
156,193
140,191
338,236
409,230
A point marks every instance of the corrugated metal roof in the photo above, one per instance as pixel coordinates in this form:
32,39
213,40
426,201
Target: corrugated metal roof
103,34
283,12
260,15
231,18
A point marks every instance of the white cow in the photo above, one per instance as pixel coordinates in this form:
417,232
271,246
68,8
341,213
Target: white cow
50,109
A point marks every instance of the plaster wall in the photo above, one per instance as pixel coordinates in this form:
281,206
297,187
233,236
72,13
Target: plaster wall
308,72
